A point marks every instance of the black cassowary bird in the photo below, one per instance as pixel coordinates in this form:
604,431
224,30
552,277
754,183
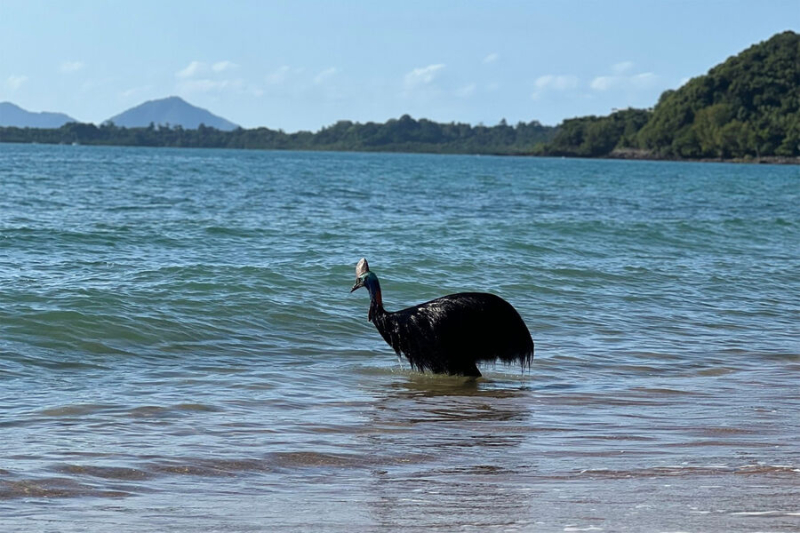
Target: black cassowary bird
449,335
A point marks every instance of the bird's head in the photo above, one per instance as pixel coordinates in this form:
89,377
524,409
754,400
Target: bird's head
362,274
365,278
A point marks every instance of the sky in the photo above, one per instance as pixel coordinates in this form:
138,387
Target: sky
302,65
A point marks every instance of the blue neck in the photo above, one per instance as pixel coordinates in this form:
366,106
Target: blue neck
375,300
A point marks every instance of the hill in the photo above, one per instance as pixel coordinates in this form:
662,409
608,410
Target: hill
747,106
173,111
594,136
11,115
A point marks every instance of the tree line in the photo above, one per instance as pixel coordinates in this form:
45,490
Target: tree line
396,135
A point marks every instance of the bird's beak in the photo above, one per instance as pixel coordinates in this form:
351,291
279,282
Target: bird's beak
358,285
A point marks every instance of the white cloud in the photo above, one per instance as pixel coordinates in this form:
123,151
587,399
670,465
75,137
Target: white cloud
423,75
135,91
15,81
205,85
553,83
200,68
222,66
71,66
194,68
622,67
278,76
556,82
604,83
325,74
644,80
491,58
202,77
466,91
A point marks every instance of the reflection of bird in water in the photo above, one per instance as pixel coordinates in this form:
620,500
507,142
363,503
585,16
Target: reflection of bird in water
445,448
449,335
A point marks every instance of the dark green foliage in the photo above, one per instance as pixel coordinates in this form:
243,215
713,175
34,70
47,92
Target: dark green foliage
747,106
402,135
596,136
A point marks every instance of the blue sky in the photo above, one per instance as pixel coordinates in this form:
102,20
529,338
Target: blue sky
306,64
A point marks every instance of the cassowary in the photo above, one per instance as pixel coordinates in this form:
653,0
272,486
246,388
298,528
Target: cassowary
449,335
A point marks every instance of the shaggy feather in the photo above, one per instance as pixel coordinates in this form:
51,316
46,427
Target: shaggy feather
451,334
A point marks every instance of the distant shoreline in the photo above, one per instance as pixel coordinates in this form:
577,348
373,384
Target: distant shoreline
645,155
622,155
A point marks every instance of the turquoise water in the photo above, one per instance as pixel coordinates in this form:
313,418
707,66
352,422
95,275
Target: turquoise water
179,350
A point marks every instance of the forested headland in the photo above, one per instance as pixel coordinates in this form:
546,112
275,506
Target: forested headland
748,107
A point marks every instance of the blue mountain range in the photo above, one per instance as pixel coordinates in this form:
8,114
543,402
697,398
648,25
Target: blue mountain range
174,111
14,115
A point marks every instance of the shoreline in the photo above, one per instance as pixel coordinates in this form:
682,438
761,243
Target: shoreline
632,154
624,154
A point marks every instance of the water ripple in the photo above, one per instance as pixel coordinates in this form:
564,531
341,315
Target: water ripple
179,349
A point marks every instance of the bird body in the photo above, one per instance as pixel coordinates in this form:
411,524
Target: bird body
451,334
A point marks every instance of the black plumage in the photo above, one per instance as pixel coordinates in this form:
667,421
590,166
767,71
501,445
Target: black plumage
451,334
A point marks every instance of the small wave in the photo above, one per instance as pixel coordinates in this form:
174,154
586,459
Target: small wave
54,488
105,472
77,410
208,467
771,514
692,471
227,231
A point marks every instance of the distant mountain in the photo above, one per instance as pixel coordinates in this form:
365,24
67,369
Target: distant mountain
15,116
173,111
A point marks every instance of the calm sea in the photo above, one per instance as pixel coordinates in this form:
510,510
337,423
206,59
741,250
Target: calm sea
179,350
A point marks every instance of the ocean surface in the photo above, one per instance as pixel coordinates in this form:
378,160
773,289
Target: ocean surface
179,350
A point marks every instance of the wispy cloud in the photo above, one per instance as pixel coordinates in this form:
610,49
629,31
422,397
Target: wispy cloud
135,91
604,83
222,66
325,74
622,79
423,75
644,80
202,77
553,82
193,69
466,91
491,58
622,67
67,67
15,81
206,85
278,76
201,68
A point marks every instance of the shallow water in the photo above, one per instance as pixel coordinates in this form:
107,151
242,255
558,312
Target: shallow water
179,351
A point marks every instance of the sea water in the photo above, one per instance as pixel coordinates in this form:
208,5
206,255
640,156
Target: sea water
179,350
